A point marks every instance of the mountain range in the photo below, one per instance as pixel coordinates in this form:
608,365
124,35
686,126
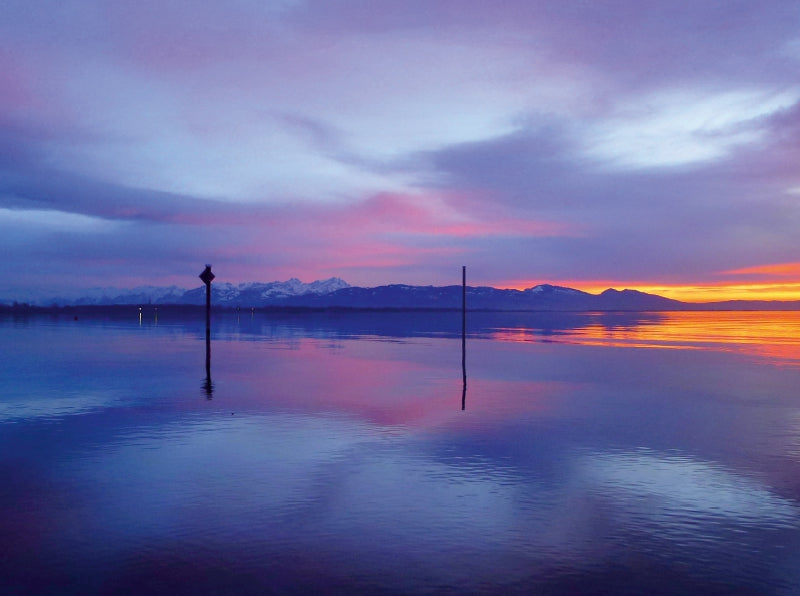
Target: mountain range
336,293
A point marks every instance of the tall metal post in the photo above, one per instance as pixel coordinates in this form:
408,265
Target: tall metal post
464,334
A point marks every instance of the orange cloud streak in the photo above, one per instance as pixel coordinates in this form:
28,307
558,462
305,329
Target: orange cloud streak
780,269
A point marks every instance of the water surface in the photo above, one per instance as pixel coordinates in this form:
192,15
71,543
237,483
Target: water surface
591,453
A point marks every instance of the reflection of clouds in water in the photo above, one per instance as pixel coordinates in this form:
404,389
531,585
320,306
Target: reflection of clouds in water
382,502
678,493
279,455
298,462
18,409
793,438
320,483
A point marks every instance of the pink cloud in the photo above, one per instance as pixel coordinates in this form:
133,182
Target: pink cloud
429,215
387,238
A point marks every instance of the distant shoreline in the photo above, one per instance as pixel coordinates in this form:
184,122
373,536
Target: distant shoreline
192,309
335,295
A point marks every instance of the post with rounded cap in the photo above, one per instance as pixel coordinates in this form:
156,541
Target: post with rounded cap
207,278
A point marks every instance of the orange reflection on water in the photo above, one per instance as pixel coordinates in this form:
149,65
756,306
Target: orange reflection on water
773,335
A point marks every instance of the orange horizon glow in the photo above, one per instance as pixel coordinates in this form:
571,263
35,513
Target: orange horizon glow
711,292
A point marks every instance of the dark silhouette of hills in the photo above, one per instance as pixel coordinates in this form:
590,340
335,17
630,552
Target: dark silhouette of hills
543,297
337,294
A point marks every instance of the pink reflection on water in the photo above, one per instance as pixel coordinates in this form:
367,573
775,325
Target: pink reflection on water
385,383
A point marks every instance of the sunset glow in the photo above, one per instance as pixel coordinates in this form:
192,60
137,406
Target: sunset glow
637,145
684,292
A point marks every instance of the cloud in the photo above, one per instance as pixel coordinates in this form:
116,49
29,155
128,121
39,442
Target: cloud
674,129
384,140
686,220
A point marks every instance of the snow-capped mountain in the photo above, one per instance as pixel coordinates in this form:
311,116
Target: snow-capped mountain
295,287
223,294
262,294
547,289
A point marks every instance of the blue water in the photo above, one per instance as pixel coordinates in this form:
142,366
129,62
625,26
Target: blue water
339,453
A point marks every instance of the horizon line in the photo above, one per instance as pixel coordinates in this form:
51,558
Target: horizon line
687,293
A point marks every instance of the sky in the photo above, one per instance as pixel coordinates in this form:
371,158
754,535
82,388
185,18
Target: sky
593,144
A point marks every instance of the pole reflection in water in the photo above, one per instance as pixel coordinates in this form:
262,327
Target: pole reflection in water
208,386
464,393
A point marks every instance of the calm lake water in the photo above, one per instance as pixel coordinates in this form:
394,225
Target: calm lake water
339,453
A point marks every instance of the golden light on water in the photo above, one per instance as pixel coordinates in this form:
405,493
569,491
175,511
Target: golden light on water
773,335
